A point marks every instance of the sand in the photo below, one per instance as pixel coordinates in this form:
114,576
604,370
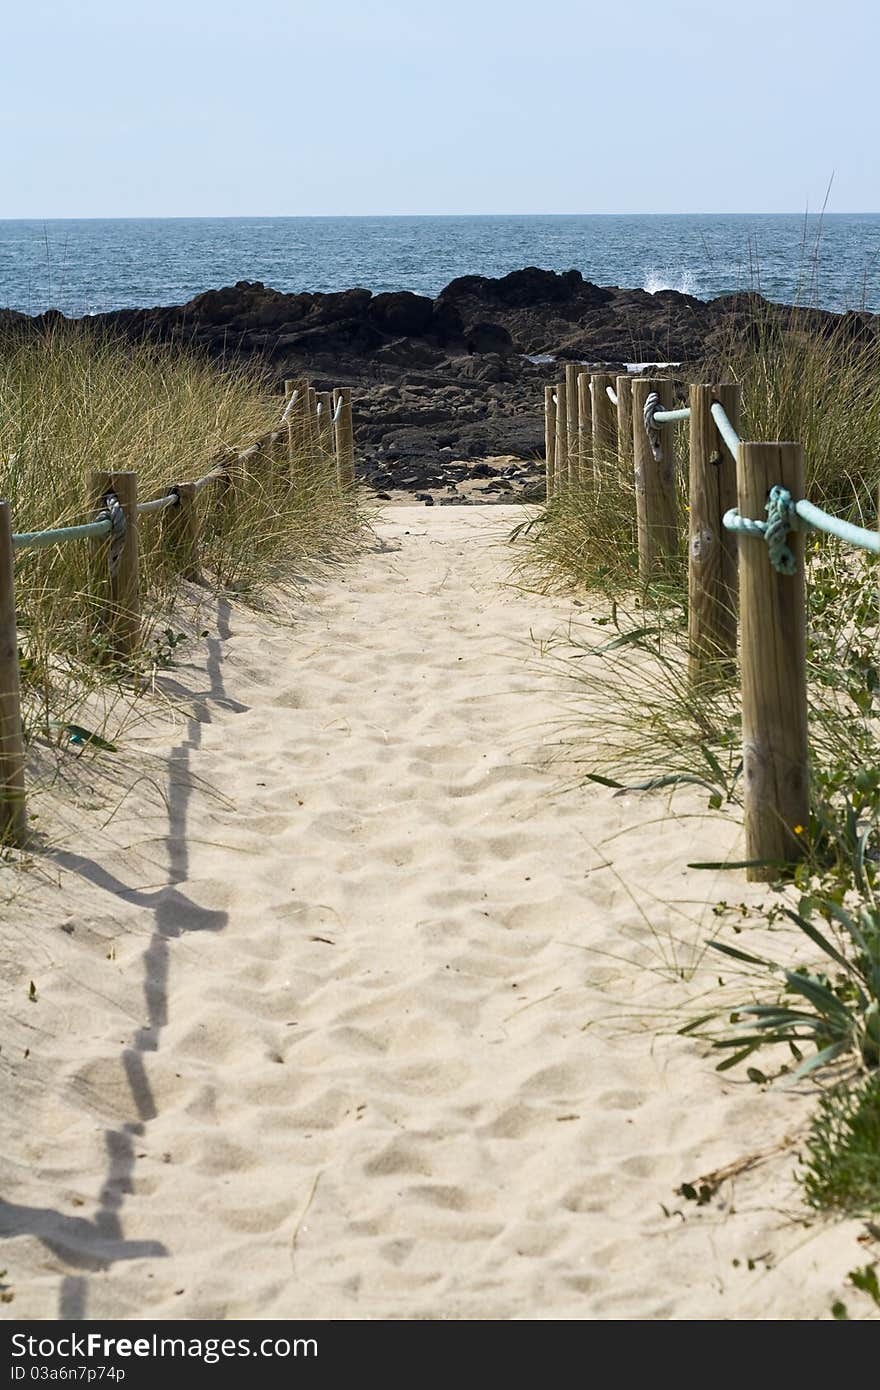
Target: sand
352,1010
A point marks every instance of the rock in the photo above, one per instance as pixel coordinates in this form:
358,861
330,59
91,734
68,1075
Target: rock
488,337
402,314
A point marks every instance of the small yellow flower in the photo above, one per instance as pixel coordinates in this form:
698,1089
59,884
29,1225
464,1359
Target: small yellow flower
798,830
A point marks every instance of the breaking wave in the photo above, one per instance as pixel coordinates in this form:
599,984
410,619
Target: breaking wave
683,283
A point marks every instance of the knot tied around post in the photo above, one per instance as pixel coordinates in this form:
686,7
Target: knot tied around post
112,512
652,429
782,518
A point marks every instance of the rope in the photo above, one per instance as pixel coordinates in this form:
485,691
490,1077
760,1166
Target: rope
338,411
655,436
671,417
781,518
41,540
288,409
611,394
818,520
214,476
725,428
159,504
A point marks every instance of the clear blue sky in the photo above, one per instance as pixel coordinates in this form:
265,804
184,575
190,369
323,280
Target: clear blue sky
191,108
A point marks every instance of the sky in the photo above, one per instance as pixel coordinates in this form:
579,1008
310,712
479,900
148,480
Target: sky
335,107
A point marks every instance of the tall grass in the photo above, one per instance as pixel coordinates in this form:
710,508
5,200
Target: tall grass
642,725
74,399
802,379
815,382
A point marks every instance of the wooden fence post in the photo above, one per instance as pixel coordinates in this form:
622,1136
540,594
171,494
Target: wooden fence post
774,676
571,405
604,420
624,391
585,427
561,452
344,437
121,616
326,424
550,439
13,807
290,385
311,429
656,502
298,437
712,553
180,527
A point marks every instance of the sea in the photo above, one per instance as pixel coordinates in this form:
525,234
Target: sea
89,266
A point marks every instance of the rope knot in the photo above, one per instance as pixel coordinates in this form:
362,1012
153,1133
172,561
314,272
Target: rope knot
112,512
781,518
654,432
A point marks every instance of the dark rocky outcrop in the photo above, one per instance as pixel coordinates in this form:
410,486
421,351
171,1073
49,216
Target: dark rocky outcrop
442,382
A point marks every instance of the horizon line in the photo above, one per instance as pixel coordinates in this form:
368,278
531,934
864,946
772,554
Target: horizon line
355,216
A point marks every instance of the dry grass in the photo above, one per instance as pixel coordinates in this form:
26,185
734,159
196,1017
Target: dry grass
73,400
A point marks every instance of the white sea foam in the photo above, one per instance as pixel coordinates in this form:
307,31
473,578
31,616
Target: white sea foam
663,280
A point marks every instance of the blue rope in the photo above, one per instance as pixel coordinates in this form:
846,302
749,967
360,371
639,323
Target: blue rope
781,518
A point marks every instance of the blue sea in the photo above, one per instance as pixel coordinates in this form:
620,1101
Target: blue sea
89,266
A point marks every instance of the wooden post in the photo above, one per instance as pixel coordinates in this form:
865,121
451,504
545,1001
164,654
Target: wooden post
604,420
774,677
344,437
180,528
585,427
290,385
624,389
326,424
311,432
298,436
13,807
121,616
561,452
656,503
550,439
571,405
712,552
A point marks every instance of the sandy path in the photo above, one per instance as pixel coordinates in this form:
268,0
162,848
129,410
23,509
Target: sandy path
374,1037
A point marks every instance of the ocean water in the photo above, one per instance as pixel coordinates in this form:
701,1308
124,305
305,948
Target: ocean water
89,266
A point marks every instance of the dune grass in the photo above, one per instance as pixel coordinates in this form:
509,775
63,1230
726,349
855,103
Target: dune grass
72,400
811,1000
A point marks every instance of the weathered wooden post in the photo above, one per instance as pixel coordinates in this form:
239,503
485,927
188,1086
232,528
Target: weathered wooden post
561,453
656,503
325,399
293,443
774,676
550,439
13,807
298,437
624,391
180,531
571,405
604,419
116,564
344,437
311,434
585,427
712,551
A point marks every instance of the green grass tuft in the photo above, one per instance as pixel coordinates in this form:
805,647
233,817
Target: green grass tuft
841,1166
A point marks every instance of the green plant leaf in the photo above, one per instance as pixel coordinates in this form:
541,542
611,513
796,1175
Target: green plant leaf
80,735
